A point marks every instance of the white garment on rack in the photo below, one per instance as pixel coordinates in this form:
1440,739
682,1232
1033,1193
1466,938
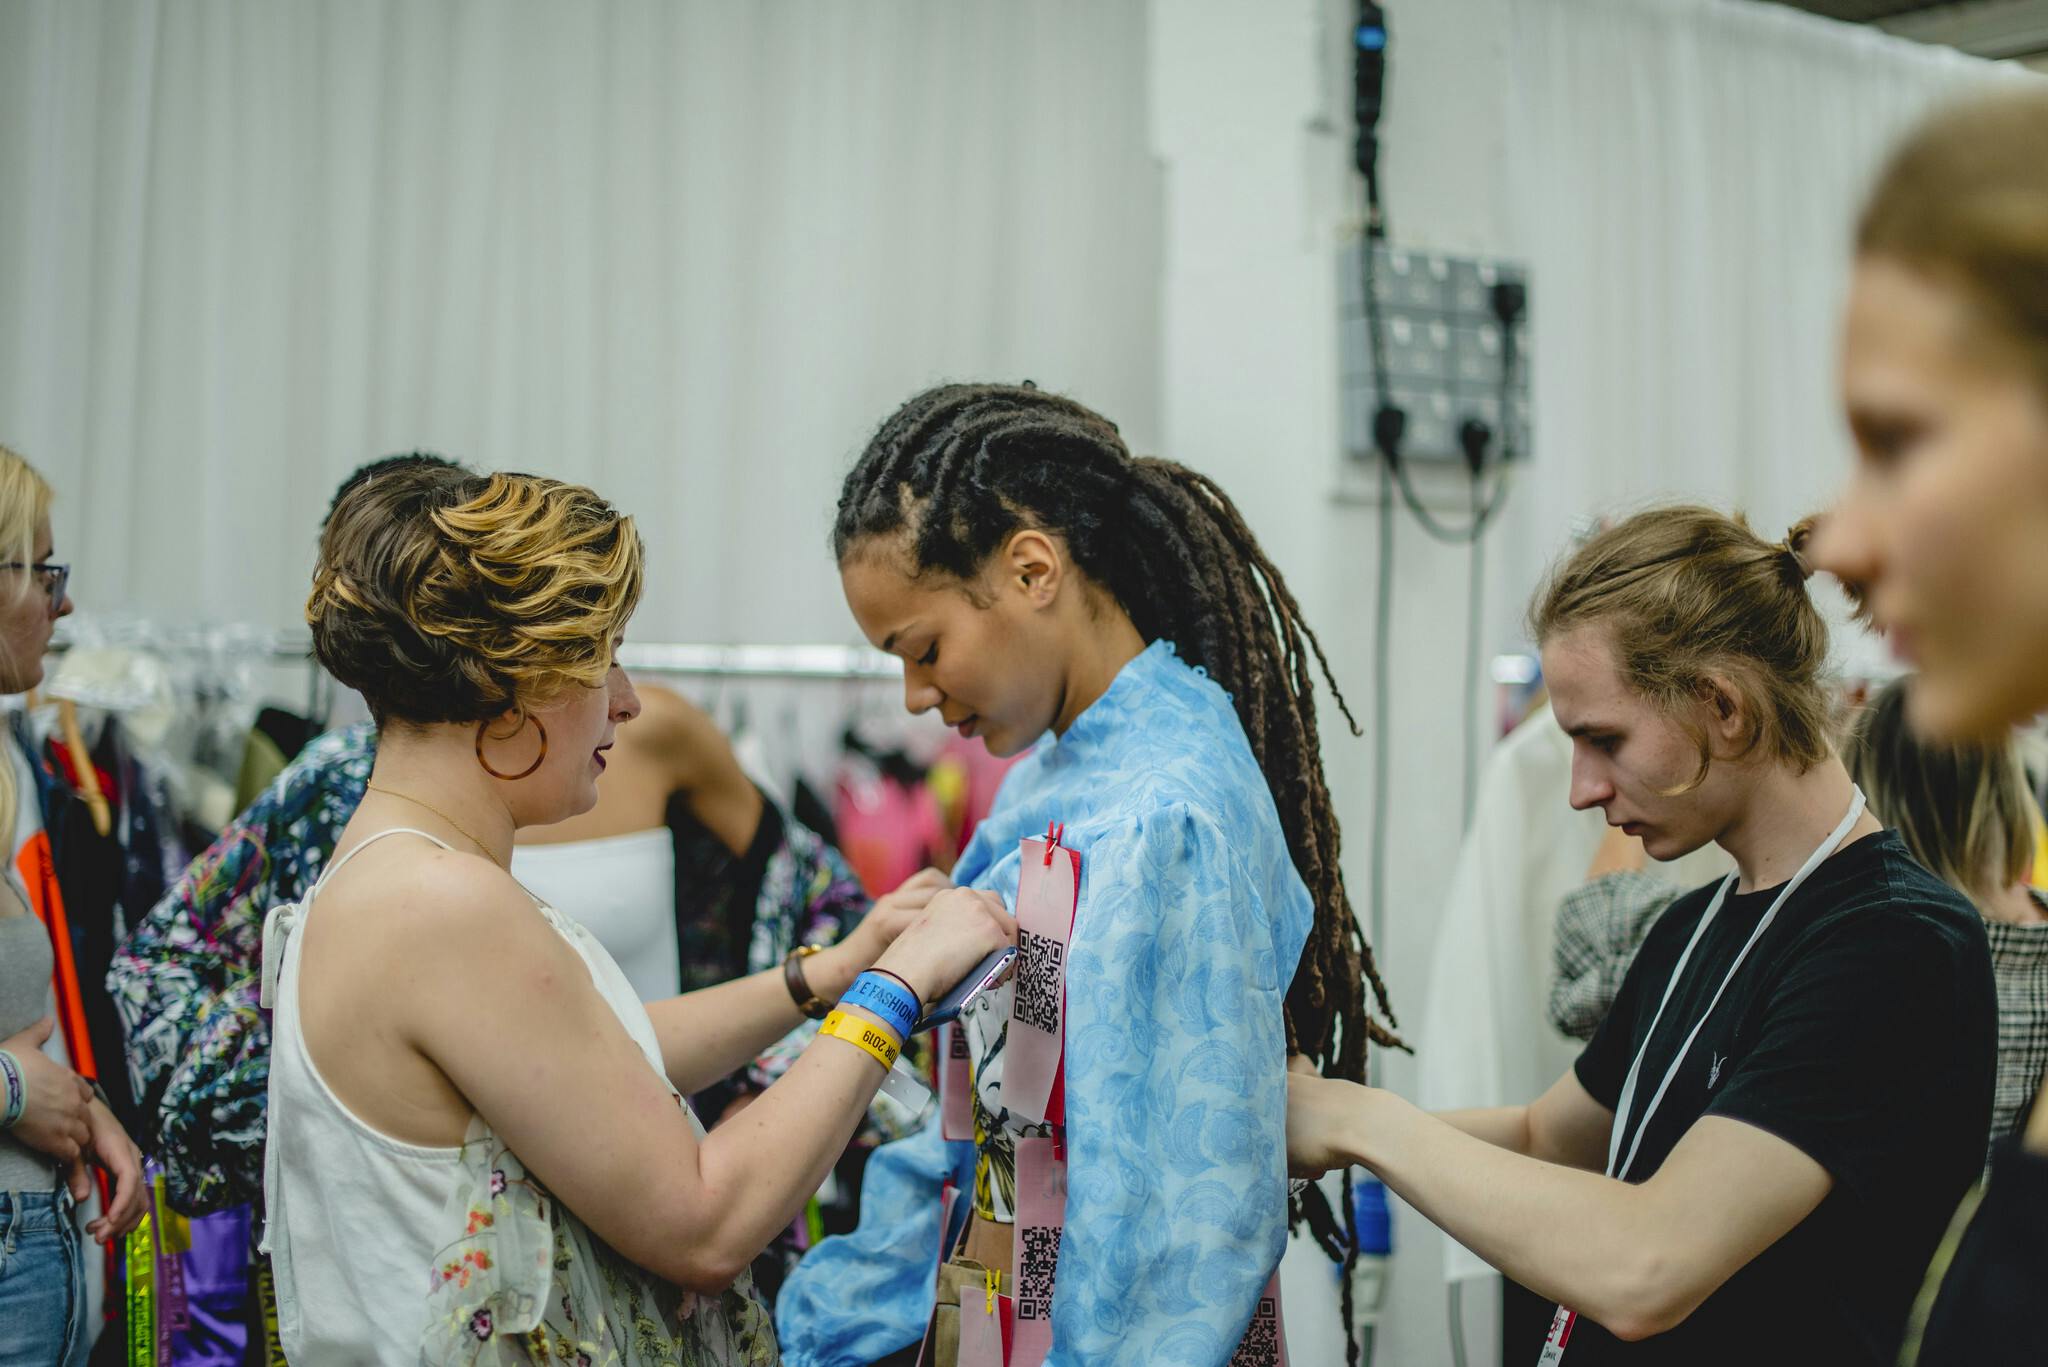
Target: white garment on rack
620,888
1489,1040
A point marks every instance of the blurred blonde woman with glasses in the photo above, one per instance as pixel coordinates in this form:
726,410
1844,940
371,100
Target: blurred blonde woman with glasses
54,1125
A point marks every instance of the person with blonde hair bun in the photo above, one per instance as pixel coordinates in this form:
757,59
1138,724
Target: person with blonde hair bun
1944,374
54,1124
477,1145
1758,1149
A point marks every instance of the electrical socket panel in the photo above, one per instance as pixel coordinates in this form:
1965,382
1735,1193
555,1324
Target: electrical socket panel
1444,352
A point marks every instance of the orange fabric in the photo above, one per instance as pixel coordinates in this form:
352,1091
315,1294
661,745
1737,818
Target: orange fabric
38,871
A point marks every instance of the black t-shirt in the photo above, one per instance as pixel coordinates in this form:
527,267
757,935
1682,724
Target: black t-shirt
1862,1029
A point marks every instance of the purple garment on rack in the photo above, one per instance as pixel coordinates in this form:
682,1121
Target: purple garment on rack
217,1287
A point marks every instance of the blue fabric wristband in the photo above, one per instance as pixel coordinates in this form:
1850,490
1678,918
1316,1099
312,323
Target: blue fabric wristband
885,997
13,1090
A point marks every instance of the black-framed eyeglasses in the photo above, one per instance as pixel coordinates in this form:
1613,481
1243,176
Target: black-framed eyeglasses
54,578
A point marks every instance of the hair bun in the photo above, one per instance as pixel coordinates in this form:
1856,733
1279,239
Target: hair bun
442,596
1793,547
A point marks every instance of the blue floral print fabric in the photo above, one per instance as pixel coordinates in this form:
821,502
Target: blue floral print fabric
1190,924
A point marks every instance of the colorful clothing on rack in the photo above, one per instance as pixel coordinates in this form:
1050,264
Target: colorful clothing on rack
742,914
888,822
186,980
1600,926
107,881
1191,922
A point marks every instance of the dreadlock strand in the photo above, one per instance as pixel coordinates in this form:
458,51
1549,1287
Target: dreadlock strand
1337,955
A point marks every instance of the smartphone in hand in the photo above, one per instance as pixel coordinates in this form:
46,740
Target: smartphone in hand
986,975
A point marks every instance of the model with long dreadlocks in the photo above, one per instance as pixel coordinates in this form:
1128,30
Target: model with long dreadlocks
1046,588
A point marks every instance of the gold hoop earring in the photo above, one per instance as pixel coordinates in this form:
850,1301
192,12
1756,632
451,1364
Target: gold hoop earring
485,725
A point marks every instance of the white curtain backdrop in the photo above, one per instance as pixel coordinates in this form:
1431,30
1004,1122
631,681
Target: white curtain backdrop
1686,174
689,253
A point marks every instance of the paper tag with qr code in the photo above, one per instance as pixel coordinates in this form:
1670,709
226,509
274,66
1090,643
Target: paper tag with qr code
1048,886
1265,1338
956,1083
1035,1246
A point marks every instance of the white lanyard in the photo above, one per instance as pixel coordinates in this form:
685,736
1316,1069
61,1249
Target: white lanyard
1617,1164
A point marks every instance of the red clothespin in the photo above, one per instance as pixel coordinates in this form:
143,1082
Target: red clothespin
1054,831
1059,1143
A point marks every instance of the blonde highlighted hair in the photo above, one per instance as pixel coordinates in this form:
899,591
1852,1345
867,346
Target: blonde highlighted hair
25,498
1962,810
443,596
1695,603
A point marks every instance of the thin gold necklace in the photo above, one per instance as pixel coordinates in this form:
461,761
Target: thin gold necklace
422,802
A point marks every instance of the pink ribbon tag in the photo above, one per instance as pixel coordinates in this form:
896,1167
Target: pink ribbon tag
985,1325
1041,1216
956,1084
1048,889
1561,1326
1265,1338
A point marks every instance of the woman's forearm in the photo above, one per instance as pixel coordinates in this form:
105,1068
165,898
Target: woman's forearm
713,1032
762,1165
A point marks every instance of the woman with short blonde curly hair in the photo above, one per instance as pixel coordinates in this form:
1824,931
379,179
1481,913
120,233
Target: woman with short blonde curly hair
478,1148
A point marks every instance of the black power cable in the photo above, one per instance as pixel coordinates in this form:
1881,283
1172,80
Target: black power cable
1476,436
1369,52
1389,426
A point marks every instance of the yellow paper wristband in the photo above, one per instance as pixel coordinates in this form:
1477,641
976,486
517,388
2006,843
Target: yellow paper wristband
858,1030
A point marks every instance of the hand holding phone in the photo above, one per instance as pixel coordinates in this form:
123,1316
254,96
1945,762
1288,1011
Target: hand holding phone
984,978
953,945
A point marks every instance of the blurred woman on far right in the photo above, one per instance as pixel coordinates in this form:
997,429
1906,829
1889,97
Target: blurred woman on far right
1944,527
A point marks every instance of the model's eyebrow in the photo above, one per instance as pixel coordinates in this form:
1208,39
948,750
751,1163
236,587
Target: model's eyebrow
889,641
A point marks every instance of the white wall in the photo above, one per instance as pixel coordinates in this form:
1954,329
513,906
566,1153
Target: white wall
688,252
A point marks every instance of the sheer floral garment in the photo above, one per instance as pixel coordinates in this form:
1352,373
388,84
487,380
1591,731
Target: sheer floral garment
507,1273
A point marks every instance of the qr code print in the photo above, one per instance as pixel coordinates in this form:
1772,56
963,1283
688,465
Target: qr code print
1260,1346
1034,1276
1038,981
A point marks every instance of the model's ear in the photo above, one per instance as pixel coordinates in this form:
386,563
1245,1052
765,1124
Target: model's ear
1034,564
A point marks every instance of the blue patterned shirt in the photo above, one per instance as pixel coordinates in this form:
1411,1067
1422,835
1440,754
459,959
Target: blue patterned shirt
1191,921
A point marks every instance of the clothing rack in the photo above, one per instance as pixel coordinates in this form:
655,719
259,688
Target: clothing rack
803,661
823,662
